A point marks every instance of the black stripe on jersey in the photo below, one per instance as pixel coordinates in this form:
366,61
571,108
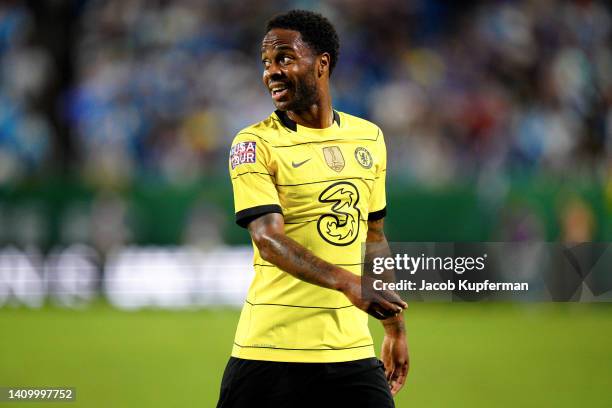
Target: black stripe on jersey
305,349
324,181
252,172
311,142
244,217
313,220
336,118
299,307
337,264
324,141
301,222
377,215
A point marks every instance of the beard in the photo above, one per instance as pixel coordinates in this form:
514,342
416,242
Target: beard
305,94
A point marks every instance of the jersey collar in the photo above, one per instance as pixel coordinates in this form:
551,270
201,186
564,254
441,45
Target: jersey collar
290,124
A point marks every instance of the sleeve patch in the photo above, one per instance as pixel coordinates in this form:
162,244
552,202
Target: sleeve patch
243,152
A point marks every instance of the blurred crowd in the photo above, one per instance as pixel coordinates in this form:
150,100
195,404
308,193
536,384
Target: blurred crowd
26,134
121,91
159,88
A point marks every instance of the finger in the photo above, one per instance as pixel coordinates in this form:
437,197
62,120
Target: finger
377,310
389,375
393,387
395,299
400,379
389,308
394,374
387,362
388,367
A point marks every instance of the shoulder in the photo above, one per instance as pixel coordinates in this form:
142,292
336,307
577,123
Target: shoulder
363,125
267,132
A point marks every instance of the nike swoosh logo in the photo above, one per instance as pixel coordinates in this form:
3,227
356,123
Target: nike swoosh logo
296,165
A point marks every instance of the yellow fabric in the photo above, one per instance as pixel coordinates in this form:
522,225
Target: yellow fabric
326,183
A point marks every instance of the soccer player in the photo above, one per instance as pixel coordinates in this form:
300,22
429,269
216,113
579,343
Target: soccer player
309,184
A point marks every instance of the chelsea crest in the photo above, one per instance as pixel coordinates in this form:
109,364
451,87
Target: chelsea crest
363,157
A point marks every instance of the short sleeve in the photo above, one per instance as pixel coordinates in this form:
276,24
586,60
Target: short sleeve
252,177
378,199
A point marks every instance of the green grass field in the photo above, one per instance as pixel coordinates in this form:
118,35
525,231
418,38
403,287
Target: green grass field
489,355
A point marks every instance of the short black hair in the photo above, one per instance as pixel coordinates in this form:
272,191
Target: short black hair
315,29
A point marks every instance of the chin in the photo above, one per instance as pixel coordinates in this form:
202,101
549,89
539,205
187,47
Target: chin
283,105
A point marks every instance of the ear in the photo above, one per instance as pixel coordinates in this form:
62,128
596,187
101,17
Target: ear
324,64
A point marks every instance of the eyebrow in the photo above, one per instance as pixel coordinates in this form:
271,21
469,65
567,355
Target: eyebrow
280,48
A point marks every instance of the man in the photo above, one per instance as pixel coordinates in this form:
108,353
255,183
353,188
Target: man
309,184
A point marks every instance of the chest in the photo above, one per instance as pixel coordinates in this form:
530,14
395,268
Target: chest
336,177
320,163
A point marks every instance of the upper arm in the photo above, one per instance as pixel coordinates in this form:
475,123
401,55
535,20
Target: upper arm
378,199
253,179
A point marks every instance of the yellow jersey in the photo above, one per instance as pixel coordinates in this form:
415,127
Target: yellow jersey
327,183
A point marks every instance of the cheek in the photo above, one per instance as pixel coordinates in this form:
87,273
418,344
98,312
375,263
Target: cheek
299,73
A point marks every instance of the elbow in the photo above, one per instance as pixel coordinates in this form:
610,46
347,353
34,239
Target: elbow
265,254
266,243
268,235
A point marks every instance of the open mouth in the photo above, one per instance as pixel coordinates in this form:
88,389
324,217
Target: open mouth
278,92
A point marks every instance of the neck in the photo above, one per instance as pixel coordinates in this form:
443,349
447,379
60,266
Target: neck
319,115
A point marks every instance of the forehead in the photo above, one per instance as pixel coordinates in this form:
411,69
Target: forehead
280,38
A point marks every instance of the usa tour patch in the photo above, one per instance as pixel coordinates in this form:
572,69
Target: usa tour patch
243,152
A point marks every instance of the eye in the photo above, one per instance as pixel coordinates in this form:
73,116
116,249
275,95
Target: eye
265,62
285,59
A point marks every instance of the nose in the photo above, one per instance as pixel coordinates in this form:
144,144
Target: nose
272,71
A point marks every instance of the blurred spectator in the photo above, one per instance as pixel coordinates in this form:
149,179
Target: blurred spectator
466,94
577,221
25,133
161,87
516,86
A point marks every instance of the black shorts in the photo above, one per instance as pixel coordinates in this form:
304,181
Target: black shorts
355,384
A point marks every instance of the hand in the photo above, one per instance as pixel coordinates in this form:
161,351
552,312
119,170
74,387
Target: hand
394,356
381,304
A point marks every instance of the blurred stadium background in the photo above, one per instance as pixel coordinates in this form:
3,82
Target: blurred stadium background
115,203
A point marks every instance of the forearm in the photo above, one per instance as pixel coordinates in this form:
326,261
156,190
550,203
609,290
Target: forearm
395,326
277,248
298,261
377,246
